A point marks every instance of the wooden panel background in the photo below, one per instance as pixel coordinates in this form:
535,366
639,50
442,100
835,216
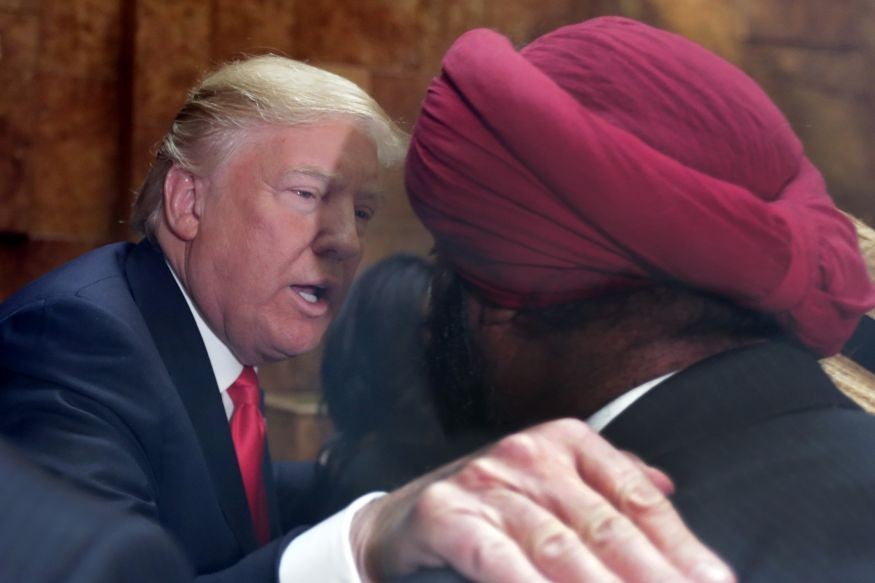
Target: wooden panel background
88,86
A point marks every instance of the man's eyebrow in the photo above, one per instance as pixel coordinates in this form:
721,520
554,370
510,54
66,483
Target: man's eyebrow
313,172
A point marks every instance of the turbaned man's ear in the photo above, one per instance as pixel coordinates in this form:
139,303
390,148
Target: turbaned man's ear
481,312
183,202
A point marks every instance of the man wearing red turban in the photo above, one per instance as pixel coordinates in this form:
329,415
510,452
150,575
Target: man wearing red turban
634,236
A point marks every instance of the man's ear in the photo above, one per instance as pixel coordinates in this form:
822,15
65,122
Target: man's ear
486,314
497,315
182,202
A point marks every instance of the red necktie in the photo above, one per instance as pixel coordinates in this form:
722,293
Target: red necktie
247,431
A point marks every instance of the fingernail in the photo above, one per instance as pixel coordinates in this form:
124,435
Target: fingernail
712,572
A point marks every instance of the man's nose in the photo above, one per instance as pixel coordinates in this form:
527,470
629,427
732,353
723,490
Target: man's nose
338,237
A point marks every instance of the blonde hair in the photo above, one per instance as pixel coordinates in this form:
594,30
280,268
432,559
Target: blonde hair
243,94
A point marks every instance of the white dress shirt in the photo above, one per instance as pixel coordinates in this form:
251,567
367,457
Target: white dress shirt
322,553
600,419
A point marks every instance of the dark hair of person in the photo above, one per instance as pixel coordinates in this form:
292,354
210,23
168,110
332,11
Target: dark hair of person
373,378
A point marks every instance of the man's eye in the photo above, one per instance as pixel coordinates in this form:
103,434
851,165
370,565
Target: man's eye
307,194
364,214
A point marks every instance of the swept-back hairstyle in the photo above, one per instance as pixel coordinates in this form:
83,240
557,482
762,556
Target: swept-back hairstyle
243,94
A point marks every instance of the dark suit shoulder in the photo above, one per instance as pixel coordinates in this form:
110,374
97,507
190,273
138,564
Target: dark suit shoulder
65,332
790,498
772,464
81,381
71,279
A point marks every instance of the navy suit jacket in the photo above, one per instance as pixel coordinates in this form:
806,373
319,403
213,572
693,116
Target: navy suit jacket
104,378
51,531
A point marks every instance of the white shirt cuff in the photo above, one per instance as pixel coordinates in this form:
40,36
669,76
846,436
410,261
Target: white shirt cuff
324,553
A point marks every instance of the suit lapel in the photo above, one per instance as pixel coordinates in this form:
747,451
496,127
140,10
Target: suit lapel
736,388
178,341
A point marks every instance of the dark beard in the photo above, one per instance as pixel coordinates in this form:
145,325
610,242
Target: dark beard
458,372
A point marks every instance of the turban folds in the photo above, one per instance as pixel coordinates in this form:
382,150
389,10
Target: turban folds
609,155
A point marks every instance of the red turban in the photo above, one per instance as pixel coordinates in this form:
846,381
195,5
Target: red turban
608,155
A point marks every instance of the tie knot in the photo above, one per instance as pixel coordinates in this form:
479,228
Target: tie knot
244,391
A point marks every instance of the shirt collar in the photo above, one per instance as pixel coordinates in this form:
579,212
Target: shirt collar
225,365
600,419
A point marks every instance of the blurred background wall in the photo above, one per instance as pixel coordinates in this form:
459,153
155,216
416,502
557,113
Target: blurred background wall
87,87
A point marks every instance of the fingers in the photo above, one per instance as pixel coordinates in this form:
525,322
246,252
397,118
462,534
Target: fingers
620,479
473,537
612,537
556,502
553,548
565,529
622,515
655,475
503,536
662,525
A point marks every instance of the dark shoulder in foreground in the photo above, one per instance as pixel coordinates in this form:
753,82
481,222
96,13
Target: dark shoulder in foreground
72,278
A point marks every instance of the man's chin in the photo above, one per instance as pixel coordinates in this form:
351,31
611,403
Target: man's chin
296,347
276,352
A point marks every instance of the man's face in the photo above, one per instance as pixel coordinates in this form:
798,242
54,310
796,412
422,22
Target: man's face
279,236
509,362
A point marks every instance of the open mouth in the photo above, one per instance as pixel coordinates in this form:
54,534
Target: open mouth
311,293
